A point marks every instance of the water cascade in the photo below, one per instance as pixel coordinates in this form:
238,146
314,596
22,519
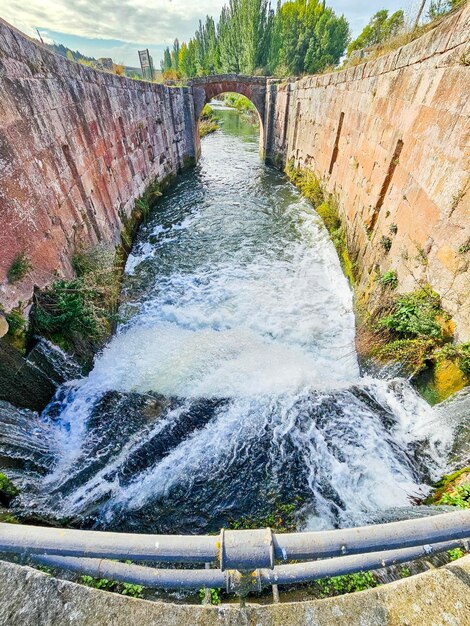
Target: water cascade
232,386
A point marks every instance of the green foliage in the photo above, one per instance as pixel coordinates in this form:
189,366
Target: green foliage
412,353
125,589
43,568
339,585
405,572
8,491
214,596
389,279
438,8
20,266
456,553
251,38
459,497
380,28
208,122
78,314
16,321
414,315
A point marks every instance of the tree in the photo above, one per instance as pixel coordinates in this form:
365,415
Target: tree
380,28
251,38
166,62
175,55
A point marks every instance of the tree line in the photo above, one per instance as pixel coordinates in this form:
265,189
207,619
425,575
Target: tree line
250,37
298,37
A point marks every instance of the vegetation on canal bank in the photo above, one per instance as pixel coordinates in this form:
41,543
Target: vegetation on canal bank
410,329
208,122
243,105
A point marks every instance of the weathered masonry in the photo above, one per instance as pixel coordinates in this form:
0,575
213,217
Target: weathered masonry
390,138
77,148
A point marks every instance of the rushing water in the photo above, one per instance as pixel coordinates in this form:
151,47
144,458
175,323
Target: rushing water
233,385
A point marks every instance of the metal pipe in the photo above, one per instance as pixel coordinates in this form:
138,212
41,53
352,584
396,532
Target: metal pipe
205,548
339,566
214,578
138,574
327,543
24,539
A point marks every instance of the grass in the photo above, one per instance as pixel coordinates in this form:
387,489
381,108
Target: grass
20,266
389,279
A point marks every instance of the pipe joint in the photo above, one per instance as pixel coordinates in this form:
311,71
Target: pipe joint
246,550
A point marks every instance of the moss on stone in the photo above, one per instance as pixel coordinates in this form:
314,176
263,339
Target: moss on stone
449,485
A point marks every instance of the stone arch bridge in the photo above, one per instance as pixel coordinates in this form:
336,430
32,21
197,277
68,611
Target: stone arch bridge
208,87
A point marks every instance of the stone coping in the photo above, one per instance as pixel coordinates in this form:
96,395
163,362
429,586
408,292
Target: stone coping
438,597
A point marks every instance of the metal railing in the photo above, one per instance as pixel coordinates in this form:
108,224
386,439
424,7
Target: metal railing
243,560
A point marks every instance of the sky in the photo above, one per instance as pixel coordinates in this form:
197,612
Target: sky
119,28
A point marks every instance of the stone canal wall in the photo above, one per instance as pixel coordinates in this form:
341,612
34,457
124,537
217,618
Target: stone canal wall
391,139
439,597
77,148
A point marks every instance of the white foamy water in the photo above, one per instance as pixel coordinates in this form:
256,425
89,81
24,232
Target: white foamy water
237,309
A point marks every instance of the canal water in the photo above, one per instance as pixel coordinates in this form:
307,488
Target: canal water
232,388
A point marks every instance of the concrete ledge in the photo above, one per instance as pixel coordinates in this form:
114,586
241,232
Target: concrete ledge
440,597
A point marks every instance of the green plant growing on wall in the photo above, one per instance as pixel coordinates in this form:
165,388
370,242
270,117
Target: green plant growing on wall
460,497
415,314
214,596
389,279
339,585
386,243
456,553
78,314
20,266
104,584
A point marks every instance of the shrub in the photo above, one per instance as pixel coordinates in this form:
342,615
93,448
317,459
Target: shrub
78,314
386,243
460,497
415,315
20,266
389,279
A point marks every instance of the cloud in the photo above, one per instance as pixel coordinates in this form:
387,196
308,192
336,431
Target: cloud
144,21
